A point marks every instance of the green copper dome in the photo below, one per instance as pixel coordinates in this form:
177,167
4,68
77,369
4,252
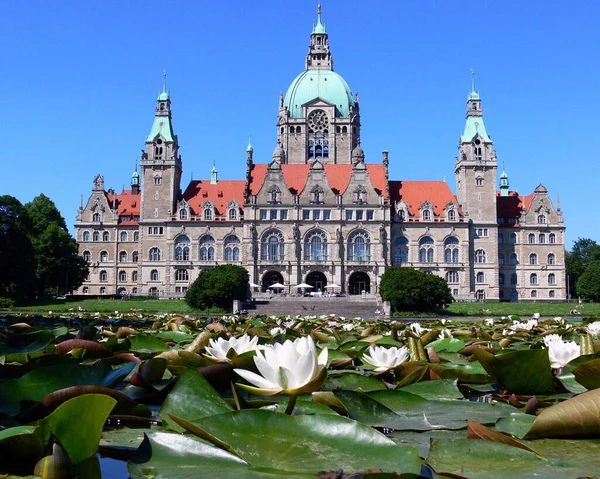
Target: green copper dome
324,84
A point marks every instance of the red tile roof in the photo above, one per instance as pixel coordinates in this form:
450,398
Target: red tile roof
338,177
510,206
127,204
219,194
415,193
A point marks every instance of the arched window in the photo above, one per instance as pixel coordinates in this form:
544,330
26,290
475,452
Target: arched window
136,236
208,214
551,278
531,238
102,290
480,256
533,278
480,295
551,293
501,279
122,276
134,276
96,236
451,250
86,290
103,275
534,293
122,257
153,291
232,248
500,238
359,246
123,236
315,246
552,238
513,238
551,258
134,257
513,259
154,275
183,214
514,278
426,254
232,214
451,215
426,215
106,236
87,256
154,254
272,246
500,258
181,275
533,258
480,277
542,238
86,236
317,195
452,277
401,250
479,179
182,249
207,248
274,195
541,219
103,256
96,218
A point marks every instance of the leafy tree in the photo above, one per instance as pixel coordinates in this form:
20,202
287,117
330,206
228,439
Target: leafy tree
16,251
585,250
588,285
408,289
218,286
58,266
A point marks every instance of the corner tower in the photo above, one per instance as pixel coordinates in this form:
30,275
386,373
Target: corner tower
319,116
160,164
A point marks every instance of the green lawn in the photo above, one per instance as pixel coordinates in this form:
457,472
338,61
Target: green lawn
110,305
522,309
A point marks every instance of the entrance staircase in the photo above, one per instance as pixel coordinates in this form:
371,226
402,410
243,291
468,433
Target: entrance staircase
350,307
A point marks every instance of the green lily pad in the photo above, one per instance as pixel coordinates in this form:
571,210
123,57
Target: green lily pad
422,439
192,398
175,336
516,424
143,343
307,444
352,381
588,374
452,345
440,389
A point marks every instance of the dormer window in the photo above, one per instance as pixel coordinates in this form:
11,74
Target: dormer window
451,215
96,218
208,214
426,215
541,219
183,214
233,214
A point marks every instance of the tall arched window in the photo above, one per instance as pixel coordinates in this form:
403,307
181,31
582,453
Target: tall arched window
103,256
96,218
122,276
514,278
401,250
182,248
480,277
207,248
232,214
480,256
136,236
106,236
87,256
134,257
426,253
103,276
513,238
208,214
541,219
513,259
232,248
315,246
122,257
181,275
533,278
533,258
551,278
183,215
542,238
154,254
123,236
134,276
531,238
96,236
451,251
551,258
272,246
552,238
86,236
359,246
154,275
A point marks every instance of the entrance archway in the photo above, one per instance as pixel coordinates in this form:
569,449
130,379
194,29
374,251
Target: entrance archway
359,282
271,277
317,280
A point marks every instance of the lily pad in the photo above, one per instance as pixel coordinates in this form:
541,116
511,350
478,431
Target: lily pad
352,381
452,345
440,389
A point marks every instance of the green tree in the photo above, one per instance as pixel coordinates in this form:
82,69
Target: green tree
16,251
588,285
584,251
218,287
58,266
408,289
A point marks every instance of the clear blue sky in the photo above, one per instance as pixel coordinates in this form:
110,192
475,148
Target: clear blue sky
80,80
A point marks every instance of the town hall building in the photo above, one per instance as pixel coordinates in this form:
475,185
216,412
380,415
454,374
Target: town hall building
317,212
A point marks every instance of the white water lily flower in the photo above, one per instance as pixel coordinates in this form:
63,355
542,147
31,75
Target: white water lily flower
288,368
593,328
417,329
561,352
219,350
528,326
347,326
489,321
445,333
276,331
386,358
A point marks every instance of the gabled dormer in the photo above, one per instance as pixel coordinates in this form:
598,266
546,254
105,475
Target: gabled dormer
426,212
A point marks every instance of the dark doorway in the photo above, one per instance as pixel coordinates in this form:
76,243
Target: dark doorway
317,280
359,282
271,277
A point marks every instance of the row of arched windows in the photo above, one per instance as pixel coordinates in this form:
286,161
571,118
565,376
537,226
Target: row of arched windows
531,237
208,214
180,275
95,236
533,258
427,250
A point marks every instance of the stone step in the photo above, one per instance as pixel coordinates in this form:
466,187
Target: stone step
364,308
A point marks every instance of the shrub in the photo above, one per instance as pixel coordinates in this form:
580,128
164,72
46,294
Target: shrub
408,289
588,285
6,303
218,287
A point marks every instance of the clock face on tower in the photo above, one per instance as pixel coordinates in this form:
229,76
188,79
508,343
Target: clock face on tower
317,120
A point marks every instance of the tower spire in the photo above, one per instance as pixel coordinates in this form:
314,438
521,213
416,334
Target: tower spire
319,56
164,81
472,81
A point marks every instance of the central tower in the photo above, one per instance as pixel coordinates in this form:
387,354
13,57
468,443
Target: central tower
319,117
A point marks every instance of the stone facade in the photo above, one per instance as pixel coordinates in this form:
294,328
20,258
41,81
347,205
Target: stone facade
317,213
